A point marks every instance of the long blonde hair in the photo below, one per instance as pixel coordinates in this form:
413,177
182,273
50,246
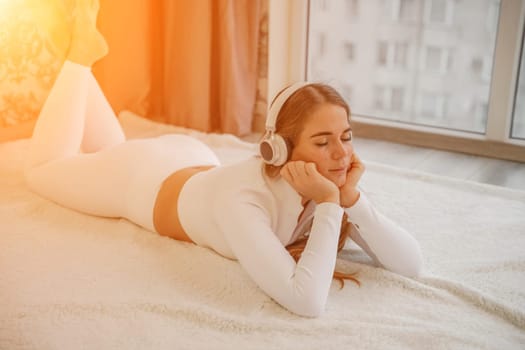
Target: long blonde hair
289,124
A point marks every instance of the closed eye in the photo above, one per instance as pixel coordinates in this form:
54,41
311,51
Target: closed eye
323,137
347,136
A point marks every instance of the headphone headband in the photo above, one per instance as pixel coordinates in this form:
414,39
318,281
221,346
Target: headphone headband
278,103
273,148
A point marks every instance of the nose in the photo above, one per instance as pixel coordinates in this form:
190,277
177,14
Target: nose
341,149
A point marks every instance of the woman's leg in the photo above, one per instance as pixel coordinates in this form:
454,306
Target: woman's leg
70,28
87,43
101,129
77,114
59,128
111,178
75,117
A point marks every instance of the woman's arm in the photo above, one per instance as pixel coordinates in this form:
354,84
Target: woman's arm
386,242
300,287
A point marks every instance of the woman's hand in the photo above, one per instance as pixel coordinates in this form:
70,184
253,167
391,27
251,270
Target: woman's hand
309,183
349,192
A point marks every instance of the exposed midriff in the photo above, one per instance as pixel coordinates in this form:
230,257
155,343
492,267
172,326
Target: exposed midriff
165,212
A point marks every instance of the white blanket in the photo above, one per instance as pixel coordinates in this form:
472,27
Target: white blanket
73,281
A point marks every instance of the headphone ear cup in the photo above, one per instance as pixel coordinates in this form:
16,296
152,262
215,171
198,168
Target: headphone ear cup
274,150
281,150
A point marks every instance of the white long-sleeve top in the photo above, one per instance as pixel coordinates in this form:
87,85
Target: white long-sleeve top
241,213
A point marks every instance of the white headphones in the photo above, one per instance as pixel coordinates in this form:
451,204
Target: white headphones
273,148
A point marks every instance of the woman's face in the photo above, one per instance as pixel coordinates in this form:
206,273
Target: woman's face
326,141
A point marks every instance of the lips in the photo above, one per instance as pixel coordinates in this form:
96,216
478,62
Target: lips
338,170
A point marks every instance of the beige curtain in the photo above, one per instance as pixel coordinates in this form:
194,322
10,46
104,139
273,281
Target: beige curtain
189,63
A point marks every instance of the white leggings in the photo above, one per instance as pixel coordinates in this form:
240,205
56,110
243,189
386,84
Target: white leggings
79,157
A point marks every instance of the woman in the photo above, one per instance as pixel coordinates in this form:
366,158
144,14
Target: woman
250,211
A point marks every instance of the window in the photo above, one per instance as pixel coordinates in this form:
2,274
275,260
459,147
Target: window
400,55
349,51
399,10
407,10
434,59
323,5
432,106
441,11
382,53
477,65
425,66
438,10
388,98
321,44
379,97
437,59
392,54
352,8
396,103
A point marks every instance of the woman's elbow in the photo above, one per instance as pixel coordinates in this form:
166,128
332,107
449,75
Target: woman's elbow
310,310
412,266
309,307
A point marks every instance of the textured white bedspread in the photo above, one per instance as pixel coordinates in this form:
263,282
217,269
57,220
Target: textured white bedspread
73,281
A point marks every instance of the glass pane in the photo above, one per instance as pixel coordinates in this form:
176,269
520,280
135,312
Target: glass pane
518,120
416,61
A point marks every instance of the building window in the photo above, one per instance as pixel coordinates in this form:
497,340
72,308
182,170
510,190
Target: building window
432,106
439,11
400,55
382,53
433,59
379,98
349,51
321,44
389,98
393,54
352,8
396,101
407,10
477,65
323,5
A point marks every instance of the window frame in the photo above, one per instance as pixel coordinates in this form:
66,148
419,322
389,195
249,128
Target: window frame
287,62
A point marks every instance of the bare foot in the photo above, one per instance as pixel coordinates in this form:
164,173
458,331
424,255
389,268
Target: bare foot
87,43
